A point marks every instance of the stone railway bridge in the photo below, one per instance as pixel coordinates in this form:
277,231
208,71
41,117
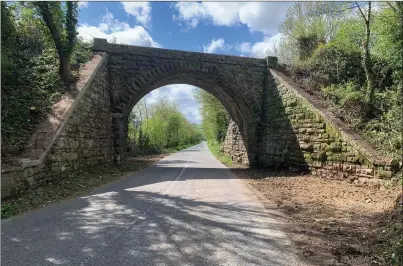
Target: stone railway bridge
275,121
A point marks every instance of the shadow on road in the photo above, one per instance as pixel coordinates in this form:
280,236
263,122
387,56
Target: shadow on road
143,224
136,221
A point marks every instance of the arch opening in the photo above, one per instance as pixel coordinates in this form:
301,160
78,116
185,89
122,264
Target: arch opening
237,108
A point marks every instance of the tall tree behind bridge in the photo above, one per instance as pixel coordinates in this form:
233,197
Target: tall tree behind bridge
307,24
61,21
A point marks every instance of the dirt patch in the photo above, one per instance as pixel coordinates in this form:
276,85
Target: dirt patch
331,222
77,184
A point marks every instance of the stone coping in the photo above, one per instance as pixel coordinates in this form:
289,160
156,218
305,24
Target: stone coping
361,145
57,121
103,45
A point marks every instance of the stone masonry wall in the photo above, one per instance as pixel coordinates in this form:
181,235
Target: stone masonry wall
234,146
237,82
85,140
298,132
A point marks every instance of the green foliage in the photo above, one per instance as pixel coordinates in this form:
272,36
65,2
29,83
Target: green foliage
215,148
331,64
387,32
61,20
30,79
350,34
309,24
385,130
215,118
6,211
334,72
159,128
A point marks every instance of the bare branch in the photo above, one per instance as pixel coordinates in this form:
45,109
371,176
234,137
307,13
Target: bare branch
362,13
391,6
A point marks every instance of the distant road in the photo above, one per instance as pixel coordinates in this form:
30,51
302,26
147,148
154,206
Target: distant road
187,209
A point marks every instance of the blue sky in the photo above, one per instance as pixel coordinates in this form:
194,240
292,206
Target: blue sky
233,28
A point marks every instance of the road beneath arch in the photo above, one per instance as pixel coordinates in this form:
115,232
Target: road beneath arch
187,209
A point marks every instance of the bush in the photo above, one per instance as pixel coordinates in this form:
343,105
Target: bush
6,211
331,64
349,99
384,130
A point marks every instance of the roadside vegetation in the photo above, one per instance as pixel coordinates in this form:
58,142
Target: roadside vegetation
215,120
159,128
33,77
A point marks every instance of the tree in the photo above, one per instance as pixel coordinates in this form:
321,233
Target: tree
215,117
366,57
308,24
165,127
397,7
62,27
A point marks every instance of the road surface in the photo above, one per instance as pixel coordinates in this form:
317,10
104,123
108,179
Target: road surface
187,209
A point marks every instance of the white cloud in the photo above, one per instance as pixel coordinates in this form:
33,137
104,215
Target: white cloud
220,13
114,30
82,4
214,46
110,24
182,95
260,49
258,16
140,10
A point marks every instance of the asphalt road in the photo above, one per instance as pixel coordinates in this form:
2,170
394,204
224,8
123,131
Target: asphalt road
188,209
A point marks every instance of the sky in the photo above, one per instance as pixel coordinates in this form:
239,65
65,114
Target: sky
232,28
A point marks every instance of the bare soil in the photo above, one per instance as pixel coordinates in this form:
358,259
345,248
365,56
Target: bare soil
331,222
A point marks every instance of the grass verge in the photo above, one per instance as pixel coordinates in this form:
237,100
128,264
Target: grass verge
77,184
215,149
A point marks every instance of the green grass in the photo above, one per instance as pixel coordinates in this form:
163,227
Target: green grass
215,149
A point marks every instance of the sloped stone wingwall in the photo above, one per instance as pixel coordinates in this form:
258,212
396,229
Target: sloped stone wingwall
84,138
234,146
299,132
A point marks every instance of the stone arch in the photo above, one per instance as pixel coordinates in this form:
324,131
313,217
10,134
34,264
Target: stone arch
203,75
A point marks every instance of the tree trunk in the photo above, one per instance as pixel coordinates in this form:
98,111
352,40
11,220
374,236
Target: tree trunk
65,69
367,61
400,13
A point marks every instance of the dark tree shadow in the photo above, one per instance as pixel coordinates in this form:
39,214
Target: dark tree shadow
279,146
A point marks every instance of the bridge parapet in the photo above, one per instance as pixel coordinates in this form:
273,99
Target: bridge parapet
103,45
